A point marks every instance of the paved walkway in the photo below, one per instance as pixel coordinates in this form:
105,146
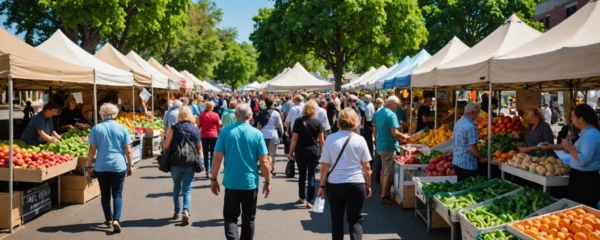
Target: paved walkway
148,209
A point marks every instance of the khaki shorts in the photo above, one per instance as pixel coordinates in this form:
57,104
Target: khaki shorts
387,163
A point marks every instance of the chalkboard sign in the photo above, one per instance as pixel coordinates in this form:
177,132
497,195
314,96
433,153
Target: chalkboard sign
37,200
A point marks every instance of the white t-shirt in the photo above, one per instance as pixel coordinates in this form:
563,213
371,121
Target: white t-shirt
322,116
269,131
349,169
369,112
294,113
548,115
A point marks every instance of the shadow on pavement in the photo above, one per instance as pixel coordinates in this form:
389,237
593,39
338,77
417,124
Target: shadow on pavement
155,177
148,166
209,223
78,228
279,206
148,222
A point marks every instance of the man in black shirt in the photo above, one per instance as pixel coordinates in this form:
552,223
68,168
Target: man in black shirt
424,115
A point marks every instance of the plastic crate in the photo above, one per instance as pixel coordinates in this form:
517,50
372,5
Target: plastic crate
419,181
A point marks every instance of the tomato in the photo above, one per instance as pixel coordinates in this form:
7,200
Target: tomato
18,156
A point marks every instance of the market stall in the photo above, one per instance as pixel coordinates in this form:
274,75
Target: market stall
159,80
25,67
189,84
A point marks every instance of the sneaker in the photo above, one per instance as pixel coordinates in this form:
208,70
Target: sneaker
300,201
176,216
185,219
309,206
116,227
108,223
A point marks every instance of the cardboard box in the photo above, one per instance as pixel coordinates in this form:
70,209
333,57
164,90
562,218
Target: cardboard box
78,189
82,162
3,174
152,133
38,176
16,211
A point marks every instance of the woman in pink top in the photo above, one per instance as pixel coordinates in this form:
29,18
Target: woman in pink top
210,126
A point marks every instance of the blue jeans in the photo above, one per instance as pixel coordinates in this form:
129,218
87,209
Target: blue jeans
182,183
111,184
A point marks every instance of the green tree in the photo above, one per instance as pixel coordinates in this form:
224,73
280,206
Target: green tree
238,65
338,31
127,24
198,47
471,21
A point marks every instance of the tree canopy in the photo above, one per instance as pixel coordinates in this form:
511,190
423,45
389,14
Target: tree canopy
338,32
127,24
238,65
471,21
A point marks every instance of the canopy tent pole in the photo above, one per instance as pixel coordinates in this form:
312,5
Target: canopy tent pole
489,144
95,104
455,105
133,102
10,151
152,89
411,110
572,99
435,113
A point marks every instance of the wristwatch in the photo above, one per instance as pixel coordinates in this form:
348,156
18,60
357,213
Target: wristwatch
213,179
321,186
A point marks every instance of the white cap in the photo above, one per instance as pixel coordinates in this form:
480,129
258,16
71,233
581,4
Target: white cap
392,99
353,97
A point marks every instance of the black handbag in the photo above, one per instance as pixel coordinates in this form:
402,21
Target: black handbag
290,169
164,161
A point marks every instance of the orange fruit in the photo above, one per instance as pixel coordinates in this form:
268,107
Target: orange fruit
587,229
596,226
531,233
580,211
563,230
594,236
575,227
555,224
570,235
561,236
589,221
564,223
572,213
553,232
520,227
546,220
580,236
544,227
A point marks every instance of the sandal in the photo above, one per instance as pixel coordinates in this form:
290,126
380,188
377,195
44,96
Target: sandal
386,200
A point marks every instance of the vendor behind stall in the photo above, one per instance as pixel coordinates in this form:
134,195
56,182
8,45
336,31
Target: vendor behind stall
39,130
71,117
584,175
538,131
425,116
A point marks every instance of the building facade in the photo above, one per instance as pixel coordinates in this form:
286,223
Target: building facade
553,12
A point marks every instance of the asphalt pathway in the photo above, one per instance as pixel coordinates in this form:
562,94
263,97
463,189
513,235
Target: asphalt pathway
148,208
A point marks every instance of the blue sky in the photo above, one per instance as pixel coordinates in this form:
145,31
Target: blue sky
238,14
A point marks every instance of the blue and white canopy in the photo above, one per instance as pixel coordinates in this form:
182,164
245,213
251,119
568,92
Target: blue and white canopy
392,72
402,79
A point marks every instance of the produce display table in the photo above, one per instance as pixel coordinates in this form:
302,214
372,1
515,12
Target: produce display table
563,204
451,216
404,188
536,178
423,204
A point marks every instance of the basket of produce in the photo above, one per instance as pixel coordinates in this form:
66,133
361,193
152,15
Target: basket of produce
448,204
503,148
578,222
427,187
502,211
436,136
497,235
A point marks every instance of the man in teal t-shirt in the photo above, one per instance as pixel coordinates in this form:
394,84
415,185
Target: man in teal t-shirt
387,135
242,146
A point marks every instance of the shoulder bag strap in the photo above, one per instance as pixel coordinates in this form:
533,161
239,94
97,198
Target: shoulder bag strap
309,134
340,155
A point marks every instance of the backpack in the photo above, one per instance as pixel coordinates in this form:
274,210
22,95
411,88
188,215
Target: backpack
185,154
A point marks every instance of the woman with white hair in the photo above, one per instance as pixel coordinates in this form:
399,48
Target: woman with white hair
110,143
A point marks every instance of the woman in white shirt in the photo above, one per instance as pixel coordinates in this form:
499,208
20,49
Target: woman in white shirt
346,173
269,123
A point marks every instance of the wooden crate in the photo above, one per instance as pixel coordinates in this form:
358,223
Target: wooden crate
17,210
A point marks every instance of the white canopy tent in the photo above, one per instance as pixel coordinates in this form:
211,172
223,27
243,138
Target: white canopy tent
63,48
298,78
191,77
424,75
205,85
175,82
112,56
472,67
373,77
358,79
159,80
571,50
252,86
265,84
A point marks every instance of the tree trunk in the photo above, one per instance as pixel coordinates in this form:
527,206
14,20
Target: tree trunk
338,74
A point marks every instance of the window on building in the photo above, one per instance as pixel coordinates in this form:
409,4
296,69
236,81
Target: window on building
546,21
571,10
